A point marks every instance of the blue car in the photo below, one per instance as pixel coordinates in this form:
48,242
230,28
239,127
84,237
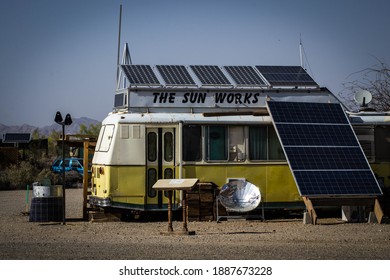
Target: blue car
75,164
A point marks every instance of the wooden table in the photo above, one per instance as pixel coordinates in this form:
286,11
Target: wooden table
171,185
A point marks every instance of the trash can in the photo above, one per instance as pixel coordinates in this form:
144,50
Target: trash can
46,204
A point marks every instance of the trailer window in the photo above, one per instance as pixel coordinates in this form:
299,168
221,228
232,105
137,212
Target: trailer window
152,179
236,143
216,143
152,146
365,135
168,146
275,150
192,143
264,144
106,135
382,144
258,143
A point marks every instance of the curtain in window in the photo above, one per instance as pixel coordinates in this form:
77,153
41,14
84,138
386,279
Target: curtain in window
258,143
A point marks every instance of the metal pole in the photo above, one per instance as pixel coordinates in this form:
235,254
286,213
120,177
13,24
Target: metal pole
63,174
119,43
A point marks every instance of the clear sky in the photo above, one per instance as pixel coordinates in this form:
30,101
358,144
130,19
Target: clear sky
61,54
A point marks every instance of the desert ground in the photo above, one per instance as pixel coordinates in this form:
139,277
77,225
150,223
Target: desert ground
272,239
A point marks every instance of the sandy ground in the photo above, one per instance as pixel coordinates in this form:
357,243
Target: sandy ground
276,239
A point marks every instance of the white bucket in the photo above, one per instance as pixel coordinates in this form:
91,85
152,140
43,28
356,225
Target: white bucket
47,191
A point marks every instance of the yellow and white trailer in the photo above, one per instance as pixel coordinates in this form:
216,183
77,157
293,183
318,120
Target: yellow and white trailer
213,133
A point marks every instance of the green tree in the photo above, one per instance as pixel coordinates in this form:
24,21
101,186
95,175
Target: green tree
92,129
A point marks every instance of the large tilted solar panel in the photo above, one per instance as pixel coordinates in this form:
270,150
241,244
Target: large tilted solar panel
140,74
210,75
175,75
286,76
245,76
322,150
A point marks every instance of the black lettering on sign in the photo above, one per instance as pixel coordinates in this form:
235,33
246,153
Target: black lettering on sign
194,97
164,97
256,99
220,97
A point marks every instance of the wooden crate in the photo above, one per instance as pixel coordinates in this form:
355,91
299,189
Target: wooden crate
201,202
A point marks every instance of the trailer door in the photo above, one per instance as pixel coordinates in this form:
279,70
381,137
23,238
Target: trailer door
160,143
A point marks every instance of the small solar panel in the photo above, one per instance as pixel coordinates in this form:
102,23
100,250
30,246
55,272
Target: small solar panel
322,149
245,76
175,75
140,74
16,137
286,76
210,75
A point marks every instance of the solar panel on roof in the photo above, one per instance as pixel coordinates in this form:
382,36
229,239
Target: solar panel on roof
140,74
16,137
245,75
210,75
286,76
175,75
322,150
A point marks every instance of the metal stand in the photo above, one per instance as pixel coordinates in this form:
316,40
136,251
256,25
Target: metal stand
246,216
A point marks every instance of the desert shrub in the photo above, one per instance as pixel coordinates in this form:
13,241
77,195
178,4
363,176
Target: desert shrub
17,176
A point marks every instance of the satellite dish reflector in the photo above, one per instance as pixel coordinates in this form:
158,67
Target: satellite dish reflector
239,196
363,97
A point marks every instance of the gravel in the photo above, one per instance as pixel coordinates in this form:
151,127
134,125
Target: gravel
275,239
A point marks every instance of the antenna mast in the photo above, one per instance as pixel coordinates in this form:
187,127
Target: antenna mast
300,51
119,42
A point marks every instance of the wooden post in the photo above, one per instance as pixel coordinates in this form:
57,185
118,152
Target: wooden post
170,227
310,209
378,211
184,202
85,180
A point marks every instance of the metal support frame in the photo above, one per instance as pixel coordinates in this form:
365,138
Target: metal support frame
247,216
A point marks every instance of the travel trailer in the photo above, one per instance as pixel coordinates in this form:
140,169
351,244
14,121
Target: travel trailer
207,122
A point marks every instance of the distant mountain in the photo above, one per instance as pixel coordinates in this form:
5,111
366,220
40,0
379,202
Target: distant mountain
74,128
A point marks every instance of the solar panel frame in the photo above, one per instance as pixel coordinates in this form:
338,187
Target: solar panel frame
175,75
286,76
245,76
323,152
140,74
210,75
